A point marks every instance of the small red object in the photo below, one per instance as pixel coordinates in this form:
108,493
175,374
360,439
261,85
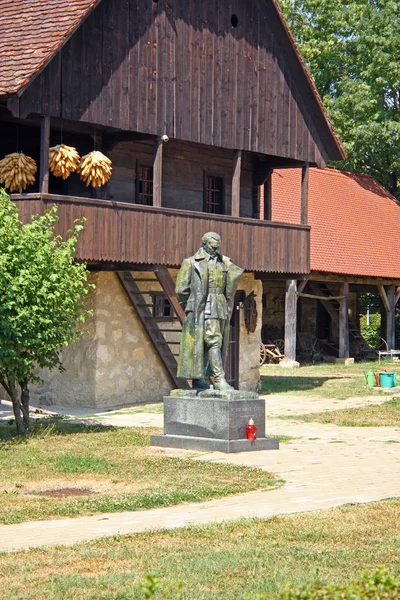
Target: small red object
251,430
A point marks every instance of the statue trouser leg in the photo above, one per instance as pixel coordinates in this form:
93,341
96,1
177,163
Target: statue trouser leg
213,340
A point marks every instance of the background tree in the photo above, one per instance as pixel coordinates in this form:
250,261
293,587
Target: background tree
42,292
352,48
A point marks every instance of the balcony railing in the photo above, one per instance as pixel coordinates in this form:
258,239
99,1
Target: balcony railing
117,232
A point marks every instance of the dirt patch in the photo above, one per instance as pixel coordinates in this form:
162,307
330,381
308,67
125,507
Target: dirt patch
63,492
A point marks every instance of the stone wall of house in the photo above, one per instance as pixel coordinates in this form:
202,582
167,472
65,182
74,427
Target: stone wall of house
249,343
115,364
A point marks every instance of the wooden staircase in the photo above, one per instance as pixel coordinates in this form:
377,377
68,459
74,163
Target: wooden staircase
158,331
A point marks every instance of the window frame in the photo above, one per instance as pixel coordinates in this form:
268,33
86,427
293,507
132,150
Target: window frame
144,165
157,296
206,178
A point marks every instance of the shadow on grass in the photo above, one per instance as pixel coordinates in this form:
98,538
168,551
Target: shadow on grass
42,428
280,384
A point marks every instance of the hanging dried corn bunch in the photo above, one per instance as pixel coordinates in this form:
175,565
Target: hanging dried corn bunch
95,169
17,171
63,160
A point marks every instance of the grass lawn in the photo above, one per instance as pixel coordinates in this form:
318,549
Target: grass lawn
67,470
326,380
377,415
237,560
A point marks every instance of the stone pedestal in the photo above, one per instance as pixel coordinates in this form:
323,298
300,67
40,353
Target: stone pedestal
213,421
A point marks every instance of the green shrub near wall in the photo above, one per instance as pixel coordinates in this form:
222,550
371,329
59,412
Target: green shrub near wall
372,332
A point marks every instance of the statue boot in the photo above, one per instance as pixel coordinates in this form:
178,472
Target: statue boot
200,384
220,383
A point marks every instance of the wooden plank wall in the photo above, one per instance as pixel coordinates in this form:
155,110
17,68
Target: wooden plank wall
182,69
118,232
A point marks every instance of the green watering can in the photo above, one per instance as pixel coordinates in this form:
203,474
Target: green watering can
370,378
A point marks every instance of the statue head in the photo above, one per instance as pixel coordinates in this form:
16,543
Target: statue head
211,242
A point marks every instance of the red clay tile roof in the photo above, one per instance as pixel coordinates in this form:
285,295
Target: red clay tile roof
31,31
355,223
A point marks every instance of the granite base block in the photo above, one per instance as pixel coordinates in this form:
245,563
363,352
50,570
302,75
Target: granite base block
212,444
213,417
213,423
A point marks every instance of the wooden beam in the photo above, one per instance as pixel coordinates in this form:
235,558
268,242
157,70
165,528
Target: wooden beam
168,285
237,167
301,284
157,172
44,155
384,298
390,336
337,278
397,296
268,196
304,193
326,304
344,343
322,298
290,319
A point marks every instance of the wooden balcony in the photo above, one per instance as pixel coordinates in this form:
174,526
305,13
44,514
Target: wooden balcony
117,232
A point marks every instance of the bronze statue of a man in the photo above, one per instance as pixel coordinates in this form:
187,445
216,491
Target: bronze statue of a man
205,288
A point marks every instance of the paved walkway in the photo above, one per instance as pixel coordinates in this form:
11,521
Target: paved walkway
324,466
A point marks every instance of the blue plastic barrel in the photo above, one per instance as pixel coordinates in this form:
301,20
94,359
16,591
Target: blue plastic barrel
387,380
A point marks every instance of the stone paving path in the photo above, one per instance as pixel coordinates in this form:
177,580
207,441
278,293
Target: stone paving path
324,466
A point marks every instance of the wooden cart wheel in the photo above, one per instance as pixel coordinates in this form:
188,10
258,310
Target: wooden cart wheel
263,354
280,344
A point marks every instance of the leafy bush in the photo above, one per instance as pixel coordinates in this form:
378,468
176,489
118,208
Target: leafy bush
378,585
372,332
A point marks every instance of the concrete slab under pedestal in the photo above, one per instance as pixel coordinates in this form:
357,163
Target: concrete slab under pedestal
211,444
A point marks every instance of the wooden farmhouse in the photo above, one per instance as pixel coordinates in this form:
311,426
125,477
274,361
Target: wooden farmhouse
355,228
224,83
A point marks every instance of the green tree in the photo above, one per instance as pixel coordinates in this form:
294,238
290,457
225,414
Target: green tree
352,48
42,292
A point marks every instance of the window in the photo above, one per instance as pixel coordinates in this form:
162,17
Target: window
162,308
144,185
213,194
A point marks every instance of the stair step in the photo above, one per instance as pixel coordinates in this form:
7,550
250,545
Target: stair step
153,280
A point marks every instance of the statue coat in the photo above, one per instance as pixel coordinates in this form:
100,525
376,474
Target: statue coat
191,291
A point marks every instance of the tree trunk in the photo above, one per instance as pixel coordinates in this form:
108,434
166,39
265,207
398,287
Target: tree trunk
17,408
25,403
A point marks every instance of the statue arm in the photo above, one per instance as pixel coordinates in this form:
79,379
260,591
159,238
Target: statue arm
182,289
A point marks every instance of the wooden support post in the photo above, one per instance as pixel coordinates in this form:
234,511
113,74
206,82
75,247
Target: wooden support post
390,336
344,344
157,172
290,319
44,155
304,194
237,167
268,196
301,285
397,296
384,298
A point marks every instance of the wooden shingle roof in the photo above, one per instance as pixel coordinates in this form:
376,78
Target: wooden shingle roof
31,31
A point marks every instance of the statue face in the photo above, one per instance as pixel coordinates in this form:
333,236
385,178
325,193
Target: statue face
212,246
